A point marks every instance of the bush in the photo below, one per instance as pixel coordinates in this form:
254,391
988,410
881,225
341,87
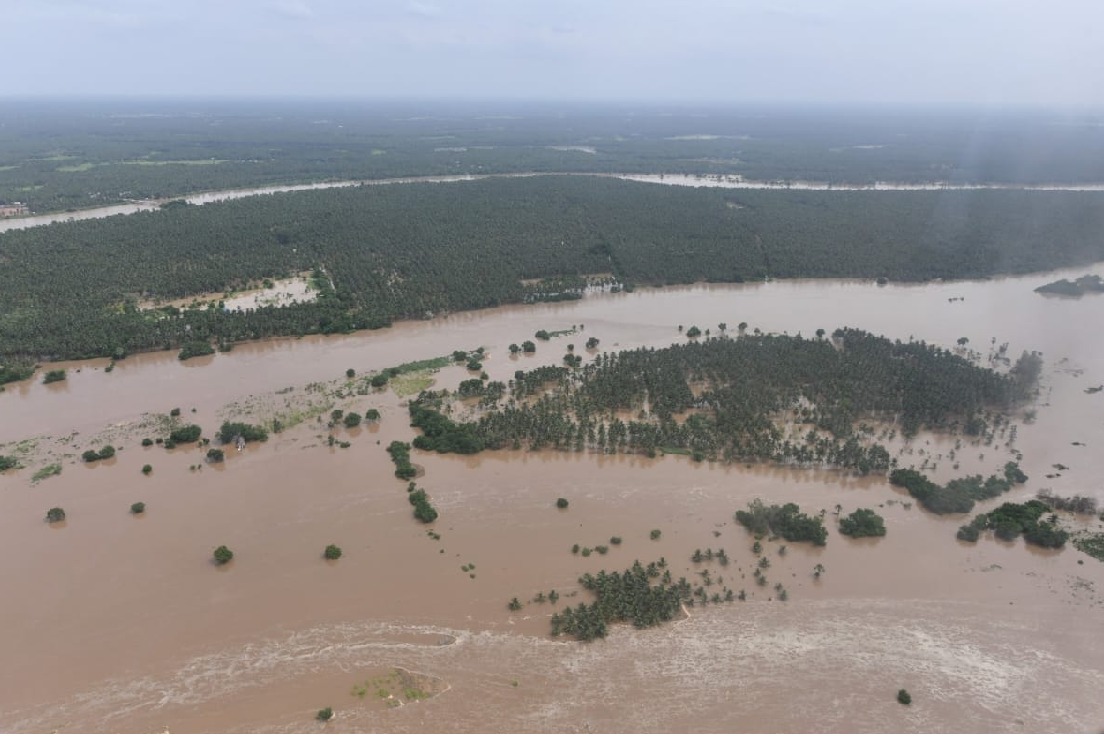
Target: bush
147,442
693,332
7,463
615,540
223,555
147,469
325,714
187,433
655,534
333,552
561,503
54,376
514,604
903,697
528,347
55,515
379,380
352,419
350,373
862,523
248,432
174,412
138,508
372,415
105,453
400,455
215,455
423,509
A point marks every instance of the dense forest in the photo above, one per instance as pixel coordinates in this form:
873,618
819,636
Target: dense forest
73,290
752,397
59,155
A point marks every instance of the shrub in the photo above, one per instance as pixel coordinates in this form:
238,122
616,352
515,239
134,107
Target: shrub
215,455
147,442
903,697
372,415
187,433
105,453
379,380
55,515
862,523
147,469
248,432
615,540
656,534
54,376
7,463
542,335
174,412
223,554
561,503
693,332
333,552
514,604
528,347
350,373
325,714
138,508
352,419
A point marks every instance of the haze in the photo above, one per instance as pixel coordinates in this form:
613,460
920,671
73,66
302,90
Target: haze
946,51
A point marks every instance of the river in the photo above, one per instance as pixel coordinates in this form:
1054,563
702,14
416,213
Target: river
118,623
721,181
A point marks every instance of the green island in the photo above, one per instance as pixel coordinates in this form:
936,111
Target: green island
725,399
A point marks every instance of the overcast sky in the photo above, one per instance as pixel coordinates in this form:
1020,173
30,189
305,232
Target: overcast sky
987,51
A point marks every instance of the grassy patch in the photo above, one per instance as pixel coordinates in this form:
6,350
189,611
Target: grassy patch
1091,543
411,384
46,472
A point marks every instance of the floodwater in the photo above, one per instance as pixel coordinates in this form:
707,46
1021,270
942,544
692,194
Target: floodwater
725,181
123,623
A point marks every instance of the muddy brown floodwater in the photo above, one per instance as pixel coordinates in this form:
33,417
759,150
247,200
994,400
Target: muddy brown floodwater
123,623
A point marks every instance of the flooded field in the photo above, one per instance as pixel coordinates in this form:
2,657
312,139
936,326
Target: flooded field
123,623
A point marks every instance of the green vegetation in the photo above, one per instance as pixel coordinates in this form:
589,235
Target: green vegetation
655,534
186,433
215,455
138,508
862,523
462,252
325,714
352,419
1090,543
1010,520
423,509
372,415
561,503
784,521
959,495
223,555
45,472
105,453
54,376
55,515
630,596
514,604
903,697
229,431
744,389
441,434
332,552
195,348
17,371
147,469
7,463
1087,284
147,442
400,455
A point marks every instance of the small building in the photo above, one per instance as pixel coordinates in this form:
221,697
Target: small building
14,209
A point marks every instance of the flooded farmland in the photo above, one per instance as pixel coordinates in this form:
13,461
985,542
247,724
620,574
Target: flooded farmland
123,623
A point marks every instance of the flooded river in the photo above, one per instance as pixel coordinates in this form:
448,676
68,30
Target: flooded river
725,181
122,623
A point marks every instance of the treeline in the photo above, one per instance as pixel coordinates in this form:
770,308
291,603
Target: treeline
957,496
725,398
72,290
1010,520
784,521
56,156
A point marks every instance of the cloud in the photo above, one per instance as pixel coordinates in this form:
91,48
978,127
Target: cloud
423,9
293,9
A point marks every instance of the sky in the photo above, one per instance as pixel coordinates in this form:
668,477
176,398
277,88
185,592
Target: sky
1000,52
